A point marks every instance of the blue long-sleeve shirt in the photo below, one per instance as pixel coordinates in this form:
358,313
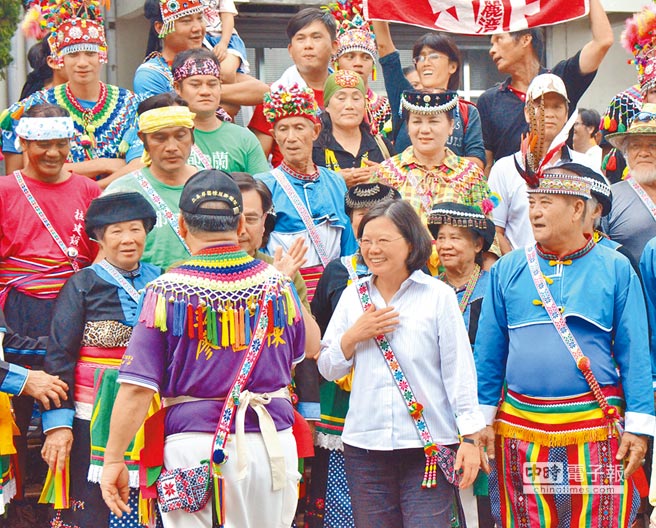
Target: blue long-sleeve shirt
602,301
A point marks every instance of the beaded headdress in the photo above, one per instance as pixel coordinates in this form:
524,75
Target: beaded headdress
342,79
70,26
638,39
196,66
173,9
428,103
460,215
366,195
294,101
354,33
599,185
560,180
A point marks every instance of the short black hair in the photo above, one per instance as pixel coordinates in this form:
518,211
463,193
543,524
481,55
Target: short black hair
306,16
246,182
537,40
590,118
160,101
46,110
200,55
441,43
409,224
210,223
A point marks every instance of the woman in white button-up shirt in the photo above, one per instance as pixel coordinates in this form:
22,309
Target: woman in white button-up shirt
383,451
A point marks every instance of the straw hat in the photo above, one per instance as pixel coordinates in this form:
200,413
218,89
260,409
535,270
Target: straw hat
643,124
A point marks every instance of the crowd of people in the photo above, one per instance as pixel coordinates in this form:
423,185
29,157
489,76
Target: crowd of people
358,311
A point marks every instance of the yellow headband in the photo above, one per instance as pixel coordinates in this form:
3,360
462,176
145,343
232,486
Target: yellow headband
164,117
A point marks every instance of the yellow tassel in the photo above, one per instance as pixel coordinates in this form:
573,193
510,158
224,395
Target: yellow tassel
537,303
231,322
160,313
551,439
224,329
291,307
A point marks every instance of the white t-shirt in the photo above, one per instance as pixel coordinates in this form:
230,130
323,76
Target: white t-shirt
511,213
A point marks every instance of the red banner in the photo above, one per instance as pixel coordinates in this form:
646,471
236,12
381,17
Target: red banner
476,17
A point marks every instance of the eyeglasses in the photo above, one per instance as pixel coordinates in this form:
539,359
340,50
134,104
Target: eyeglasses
254,219
382,243
431,57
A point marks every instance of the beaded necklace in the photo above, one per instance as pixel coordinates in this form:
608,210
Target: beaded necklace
85,117
469,288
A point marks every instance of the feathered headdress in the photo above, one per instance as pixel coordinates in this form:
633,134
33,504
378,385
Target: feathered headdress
638,38
43,17
69,25
534,166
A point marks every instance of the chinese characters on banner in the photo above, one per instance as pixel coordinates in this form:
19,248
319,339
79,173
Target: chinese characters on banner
477,17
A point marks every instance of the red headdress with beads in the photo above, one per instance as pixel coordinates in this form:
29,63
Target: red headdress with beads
638,38
70,26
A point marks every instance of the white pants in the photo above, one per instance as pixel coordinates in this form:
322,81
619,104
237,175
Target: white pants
250,502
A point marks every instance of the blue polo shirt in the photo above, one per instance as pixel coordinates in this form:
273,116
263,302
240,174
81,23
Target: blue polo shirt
502,111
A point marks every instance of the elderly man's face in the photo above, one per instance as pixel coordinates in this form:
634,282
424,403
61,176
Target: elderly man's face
555,218
295,136
641,157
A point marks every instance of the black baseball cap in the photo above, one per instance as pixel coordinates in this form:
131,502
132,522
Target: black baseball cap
211,186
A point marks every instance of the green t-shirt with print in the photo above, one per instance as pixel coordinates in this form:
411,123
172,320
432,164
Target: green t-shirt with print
230,148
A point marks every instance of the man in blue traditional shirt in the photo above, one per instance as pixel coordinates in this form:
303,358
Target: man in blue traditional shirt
309,200
563,341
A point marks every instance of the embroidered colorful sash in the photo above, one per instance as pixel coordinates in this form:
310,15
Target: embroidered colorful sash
311,276
556,421
37,277
70,252
201,156
436,455
219,456
582,362
160,204
303,213
644,197
469,288
350,263
90,360
121,280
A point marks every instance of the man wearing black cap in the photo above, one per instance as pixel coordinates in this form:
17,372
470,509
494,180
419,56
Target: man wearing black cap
219,324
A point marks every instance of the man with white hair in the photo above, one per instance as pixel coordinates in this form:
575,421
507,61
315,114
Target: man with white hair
632,219
546,111
571,362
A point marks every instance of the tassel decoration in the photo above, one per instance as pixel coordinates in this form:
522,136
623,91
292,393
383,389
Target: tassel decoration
430,472
190,322
160,313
